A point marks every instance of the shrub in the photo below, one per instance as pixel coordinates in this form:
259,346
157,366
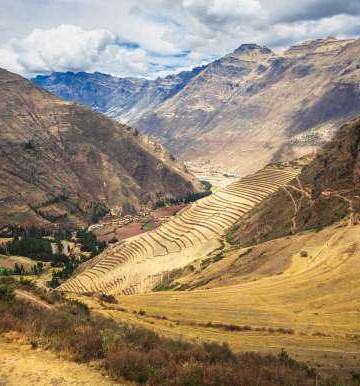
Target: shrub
5,271
108,298
192,375
218,353
8,281
7,293
75,307
130,364
85,342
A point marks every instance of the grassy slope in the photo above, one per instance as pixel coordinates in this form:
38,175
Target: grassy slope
315,296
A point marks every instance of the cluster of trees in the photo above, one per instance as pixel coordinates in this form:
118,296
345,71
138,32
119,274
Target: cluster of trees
191,197
18,231
33,244
32,247
96,212
89,243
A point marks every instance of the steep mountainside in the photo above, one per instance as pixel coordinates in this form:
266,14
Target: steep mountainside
327,190
60,162
279,105
122,98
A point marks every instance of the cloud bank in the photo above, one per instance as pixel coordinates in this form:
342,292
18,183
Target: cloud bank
154,37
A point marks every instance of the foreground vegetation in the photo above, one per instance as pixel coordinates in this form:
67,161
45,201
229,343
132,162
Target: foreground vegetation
139,355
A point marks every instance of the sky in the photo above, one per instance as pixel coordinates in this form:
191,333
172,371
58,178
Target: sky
151,38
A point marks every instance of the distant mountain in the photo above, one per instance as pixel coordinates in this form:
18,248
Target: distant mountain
252,106
122,98
63,163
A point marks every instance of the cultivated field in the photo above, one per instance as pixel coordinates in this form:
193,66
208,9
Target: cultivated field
10,261
139,263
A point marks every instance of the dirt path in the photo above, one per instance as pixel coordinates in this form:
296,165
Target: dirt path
20,365
33,299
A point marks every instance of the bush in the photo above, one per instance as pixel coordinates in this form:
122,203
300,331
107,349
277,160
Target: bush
108,298
218,353
130,364
7,293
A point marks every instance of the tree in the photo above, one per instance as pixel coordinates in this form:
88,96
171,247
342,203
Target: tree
17,269
40,266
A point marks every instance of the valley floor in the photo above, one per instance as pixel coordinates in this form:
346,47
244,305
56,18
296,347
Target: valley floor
310,306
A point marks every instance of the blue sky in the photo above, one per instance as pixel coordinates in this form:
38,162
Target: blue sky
151,38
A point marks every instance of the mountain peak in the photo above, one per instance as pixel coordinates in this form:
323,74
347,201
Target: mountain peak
251,47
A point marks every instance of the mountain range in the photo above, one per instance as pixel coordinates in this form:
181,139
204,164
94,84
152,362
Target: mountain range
279,105
121,98
63,163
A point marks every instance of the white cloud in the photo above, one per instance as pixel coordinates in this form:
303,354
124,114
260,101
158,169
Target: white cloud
59,35
72,48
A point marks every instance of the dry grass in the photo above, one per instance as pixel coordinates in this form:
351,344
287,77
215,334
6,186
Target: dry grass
19,362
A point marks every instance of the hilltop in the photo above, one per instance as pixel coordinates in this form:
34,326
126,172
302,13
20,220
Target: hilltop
65,164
